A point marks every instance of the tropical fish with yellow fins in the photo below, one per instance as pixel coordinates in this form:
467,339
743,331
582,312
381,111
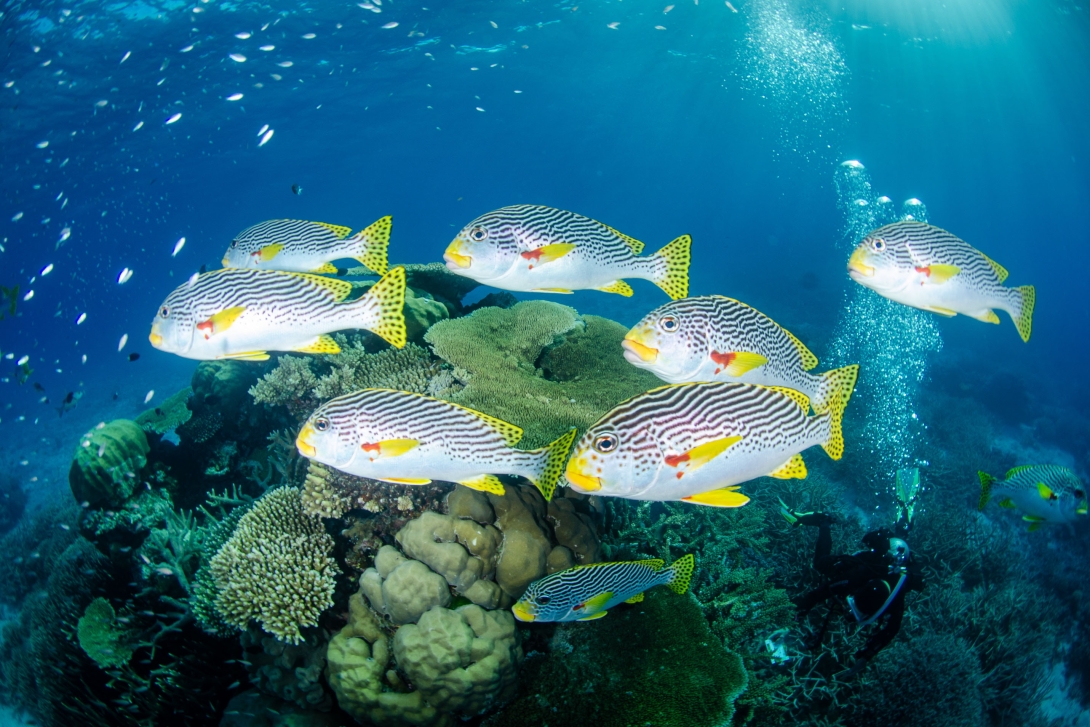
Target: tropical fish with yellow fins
713,338
587,592
409,439
926,267
540,249
243,314
699,442
302,246
1046,493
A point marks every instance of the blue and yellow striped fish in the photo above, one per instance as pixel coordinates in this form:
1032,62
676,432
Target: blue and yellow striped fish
302,246
534,248
243,314
587,592
1045,493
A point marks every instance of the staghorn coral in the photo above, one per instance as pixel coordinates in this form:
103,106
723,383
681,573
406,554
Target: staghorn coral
290,384
107,463
406,369
275,568
169,415
500,356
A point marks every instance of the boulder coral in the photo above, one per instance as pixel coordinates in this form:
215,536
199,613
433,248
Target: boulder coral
276,568
106,467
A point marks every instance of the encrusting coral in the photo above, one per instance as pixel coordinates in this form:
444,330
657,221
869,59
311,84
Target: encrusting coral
539,365
107,463
276,568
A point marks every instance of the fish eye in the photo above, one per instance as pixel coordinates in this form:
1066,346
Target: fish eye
606,443
542,600
321,424
668,323
164,312
879,245
234,243
478,234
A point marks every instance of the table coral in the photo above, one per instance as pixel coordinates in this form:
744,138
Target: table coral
171,414
276,568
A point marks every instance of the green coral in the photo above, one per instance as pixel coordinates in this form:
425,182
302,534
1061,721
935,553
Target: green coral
538,365
654,663
169,415
291,380
140,514
100,635
276,568
107,463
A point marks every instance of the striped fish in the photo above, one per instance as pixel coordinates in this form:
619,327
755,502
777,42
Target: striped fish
927,267
409,439
308,247
1044,492
242,314
533,248
698,442
712,338
587,592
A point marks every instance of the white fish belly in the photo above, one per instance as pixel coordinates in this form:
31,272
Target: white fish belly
423,462
562,274
1030,502
951,295
246,336
724,471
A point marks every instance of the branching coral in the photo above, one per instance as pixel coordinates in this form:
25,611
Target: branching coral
275,568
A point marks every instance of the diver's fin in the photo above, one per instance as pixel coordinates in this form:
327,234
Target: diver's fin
370,244
674,278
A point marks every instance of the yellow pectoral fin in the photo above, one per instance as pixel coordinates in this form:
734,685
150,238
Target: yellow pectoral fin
548,253
941,311
389,448
744,362
793,469
595,605
941,273
403,481
269,251
595,616
619,287
225,318
699,456
248,356
1044,491
323,344
723,497
553,290
484,483
635,599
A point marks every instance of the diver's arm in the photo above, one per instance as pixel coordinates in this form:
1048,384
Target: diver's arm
891,624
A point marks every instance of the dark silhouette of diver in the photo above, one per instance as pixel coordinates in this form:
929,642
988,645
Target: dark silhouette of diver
871,584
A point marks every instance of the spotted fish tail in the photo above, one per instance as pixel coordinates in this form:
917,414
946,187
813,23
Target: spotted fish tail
1022,301
550,464
835,389
384,305
673,276
987,482
682,570
370,244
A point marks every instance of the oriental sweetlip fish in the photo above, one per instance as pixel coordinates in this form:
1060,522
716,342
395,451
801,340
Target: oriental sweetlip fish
409,439
713,338
1046,493
927,267
308,247
243,314
698,442
587,592
543,249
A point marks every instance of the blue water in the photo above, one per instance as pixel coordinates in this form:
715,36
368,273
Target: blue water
729,126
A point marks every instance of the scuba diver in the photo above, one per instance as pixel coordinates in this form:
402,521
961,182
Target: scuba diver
871,583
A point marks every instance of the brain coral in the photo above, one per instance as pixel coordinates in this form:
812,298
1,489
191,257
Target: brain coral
539,365
276,568
106,464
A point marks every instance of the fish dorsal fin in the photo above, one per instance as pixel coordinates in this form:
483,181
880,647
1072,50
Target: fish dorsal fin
633,244
809,360
511,434
339,230
1020,468
796,396
999,269
338,289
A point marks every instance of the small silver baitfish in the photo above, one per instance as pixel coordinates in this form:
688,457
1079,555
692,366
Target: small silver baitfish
242,314
713,338
534,248
698,442
409,439
1044,492
308,247
587,592
926,267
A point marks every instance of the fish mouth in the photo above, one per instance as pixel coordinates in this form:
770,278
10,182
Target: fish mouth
522,612
636,352
303,442
857,265
224,261
580,481
155,339
456,259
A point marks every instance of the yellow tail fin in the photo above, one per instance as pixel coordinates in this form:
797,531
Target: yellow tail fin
683,569
675,279
372,242
553,459
388,295
835,389
1026,297
986,484
834,443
